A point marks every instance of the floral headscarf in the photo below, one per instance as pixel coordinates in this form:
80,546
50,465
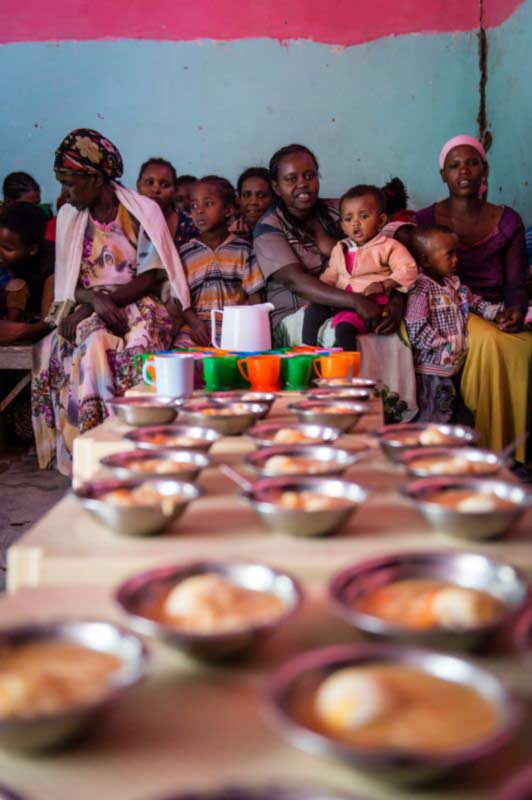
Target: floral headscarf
88,152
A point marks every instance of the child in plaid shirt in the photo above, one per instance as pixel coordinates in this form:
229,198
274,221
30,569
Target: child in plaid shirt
436,319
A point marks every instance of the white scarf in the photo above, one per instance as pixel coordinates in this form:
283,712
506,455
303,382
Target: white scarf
153,234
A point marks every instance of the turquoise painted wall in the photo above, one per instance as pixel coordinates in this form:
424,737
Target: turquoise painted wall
509,95
369,111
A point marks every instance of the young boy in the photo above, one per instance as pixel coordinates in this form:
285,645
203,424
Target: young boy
26,262
436,319
221,268
183,186
366,262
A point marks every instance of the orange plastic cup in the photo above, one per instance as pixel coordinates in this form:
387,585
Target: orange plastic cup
338,365
262,372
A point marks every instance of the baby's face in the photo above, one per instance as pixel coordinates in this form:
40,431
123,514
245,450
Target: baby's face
441,255
362,218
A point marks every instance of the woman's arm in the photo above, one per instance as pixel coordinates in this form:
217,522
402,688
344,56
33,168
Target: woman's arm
515,272
310,288
47,295
21,331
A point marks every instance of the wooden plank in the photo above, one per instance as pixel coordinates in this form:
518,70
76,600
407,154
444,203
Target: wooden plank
16,356
15,391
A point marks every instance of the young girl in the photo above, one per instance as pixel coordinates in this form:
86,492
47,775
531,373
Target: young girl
255,196
158,180
221,268
436,320
366,262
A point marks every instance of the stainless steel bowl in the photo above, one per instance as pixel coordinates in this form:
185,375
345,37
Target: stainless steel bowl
7,794
335,394
473,526
299,522
518,787
305,672
227,425
241,396
153,585
318,413
198,437
334,459
136,520
470,570
272,792
139,411
51,730
522,632
485,462
265,431
188,463
346,383
393,446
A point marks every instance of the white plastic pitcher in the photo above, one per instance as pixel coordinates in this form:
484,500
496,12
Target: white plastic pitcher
244,328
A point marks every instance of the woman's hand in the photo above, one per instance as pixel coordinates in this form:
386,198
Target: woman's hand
377,287
200,332
510,320
115,318
67,327
390,321
365,307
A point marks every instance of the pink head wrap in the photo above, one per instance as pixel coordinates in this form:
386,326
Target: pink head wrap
456,141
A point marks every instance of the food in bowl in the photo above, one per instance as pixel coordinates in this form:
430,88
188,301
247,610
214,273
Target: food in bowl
158,466
330,408
226,411
170,440
423,604
294,436
468,500
453,464
48,677
147,494
295,465
211,604
307,500
395,706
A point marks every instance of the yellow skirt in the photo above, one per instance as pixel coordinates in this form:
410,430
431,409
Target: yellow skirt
496,383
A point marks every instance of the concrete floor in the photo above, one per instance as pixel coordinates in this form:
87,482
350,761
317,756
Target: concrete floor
26,493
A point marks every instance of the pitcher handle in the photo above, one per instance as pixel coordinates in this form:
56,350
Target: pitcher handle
317,367
240,364
146,375
215,311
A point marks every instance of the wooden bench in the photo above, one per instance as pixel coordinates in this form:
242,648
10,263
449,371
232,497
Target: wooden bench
15,357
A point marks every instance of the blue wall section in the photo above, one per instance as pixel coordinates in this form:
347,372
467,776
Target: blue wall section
368,111
510,112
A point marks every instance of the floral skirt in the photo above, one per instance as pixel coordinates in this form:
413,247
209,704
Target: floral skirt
71,383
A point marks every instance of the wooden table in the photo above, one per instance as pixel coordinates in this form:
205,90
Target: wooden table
67,545
192,726
15,357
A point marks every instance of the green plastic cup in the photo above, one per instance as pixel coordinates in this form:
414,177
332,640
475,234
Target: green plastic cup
296,372
221,374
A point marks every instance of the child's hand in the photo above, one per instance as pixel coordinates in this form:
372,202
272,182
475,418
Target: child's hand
510,320
377,287
200,332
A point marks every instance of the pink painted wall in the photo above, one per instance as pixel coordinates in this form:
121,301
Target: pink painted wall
184,20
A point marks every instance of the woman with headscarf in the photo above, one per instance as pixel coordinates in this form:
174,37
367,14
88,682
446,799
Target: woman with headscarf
492,264
114,255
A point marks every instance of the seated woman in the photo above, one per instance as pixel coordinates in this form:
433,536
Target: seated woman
254,197
158,180
293,242
492,264
113,252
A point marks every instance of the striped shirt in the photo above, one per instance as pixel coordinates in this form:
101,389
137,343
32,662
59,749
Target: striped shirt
436,321
222,277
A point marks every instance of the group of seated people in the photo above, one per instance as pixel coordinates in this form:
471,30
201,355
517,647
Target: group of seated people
434,300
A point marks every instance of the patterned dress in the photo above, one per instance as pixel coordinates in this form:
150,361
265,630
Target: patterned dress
72,382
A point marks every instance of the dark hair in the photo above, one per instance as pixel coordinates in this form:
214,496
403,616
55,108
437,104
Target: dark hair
363,189
17,183
26,219
159,162
420,236
223,186
396,195
185,179
253,172
289,150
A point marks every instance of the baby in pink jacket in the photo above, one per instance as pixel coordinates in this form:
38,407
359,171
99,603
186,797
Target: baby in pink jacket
366,262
